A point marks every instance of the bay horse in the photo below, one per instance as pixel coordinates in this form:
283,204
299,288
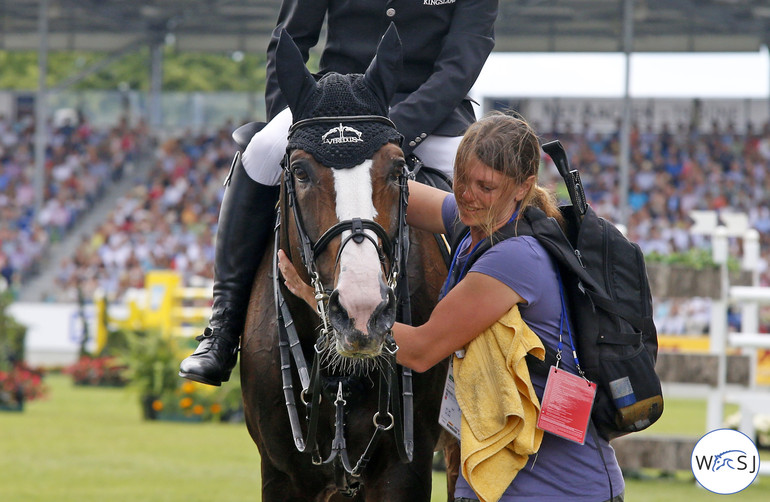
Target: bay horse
333,415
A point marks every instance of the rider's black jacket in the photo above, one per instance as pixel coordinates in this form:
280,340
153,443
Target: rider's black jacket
445,42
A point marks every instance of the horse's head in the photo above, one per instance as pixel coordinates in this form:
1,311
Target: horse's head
343,181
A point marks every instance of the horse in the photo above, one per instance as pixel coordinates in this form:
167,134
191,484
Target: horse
370,427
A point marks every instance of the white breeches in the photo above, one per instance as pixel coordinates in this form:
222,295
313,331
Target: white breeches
262,157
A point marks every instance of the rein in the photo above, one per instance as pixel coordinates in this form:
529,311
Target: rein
395,409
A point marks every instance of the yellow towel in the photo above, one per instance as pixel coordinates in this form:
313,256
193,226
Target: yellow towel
499,407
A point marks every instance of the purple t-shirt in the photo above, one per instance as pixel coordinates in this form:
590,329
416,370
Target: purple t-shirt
562,469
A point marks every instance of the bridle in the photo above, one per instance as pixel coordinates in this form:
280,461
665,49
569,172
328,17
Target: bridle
395,409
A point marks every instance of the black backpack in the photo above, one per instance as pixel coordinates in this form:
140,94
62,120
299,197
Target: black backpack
606,286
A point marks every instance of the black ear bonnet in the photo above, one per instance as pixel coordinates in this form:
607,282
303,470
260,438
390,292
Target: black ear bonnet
341,120
342,143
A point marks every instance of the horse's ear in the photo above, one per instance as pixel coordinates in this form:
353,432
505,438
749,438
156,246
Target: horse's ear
384,72
294,79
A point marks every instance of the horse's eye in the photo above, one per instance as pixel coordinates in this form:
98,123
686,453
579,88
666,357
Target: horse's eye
299,173
398,170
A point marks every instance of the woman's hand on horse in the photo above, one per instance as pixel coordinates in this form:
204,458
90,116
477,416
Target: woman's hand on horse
293,281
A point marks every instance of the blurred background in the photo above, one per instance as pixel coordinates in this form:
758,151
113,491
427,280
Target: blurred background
115,124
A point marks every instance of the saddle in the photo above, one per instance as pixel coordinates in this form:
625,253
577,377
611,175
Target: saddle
244,133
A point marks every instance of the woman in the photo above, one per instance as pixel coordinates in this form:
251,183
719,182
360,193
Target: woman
495,182
445,45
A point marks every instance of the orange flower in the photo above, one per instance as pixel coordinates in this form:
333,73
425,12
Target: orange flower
157,405
188,387
186,402
198,409
216,408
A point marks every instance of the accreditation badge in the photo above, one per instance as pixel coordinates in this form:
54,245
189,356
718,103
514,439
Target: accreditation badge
566,406
450,415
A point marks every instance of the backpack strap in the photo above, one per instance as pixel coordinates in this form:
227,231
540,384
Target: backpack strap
531,223
515,228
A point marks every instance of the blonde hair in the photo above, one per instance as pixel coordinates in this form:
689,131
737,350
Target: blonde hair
508,144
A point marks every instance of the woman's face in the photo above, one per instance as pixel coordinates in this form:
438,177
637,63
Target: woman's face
483,187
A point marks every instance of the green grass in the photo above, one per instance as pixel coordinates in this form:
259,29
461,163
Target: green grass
686,417
90,444
683,488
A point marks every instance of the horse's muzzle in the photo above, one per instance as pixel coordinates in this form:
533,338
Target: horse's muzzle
352,342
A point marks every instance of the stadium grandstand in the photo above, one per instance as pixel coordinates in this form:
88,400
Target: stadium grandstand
93,201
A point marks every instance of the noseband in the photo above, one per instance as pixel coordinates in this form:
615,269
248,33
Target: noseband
393,248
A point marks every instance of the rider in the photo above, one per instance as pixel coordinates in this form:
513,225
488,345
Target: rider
445,46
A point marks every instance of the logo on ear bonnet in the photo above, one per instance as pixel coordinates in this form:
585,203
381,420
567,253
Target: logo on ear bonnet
345,134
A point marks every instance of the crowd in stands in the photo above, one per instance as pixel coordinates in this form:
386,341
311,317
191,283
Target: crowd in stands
169,220
80,162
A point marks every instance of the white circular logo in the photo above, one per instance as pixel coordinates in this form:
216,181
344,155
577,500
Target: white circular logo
725,461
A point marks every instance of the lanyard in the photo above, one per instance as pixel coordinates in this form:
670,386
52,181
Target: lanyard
563,319
452,279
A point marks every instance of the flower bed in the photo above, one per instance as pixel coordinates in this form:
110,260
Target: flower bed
19,385
18,382
192,402
98,371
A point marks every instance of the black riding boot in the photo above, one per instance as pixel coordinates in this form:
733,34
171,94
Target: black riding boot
246,220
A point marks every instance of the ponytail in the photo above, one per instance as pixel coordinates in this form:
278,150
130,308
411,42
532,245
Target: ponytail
544,200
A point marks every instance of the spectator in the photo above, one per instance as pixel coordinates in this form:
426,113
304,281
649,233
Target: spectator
78,170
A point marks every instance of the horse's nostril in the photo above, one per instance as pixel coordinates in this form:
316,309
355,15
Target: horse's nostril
334,302
384,315
338,315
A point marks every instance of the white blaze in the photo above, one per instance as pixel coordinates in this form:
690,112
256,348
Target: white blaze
359,281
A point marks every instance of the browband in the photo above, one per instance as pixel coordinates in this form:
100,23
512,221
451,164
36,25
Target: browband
348,118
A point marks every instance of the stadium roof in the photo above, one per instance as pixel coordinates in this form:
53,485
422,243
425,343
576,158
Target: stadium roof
523,25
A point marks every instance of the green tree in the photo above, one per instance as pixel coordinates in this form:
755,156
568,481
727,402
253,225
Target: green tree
182,71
